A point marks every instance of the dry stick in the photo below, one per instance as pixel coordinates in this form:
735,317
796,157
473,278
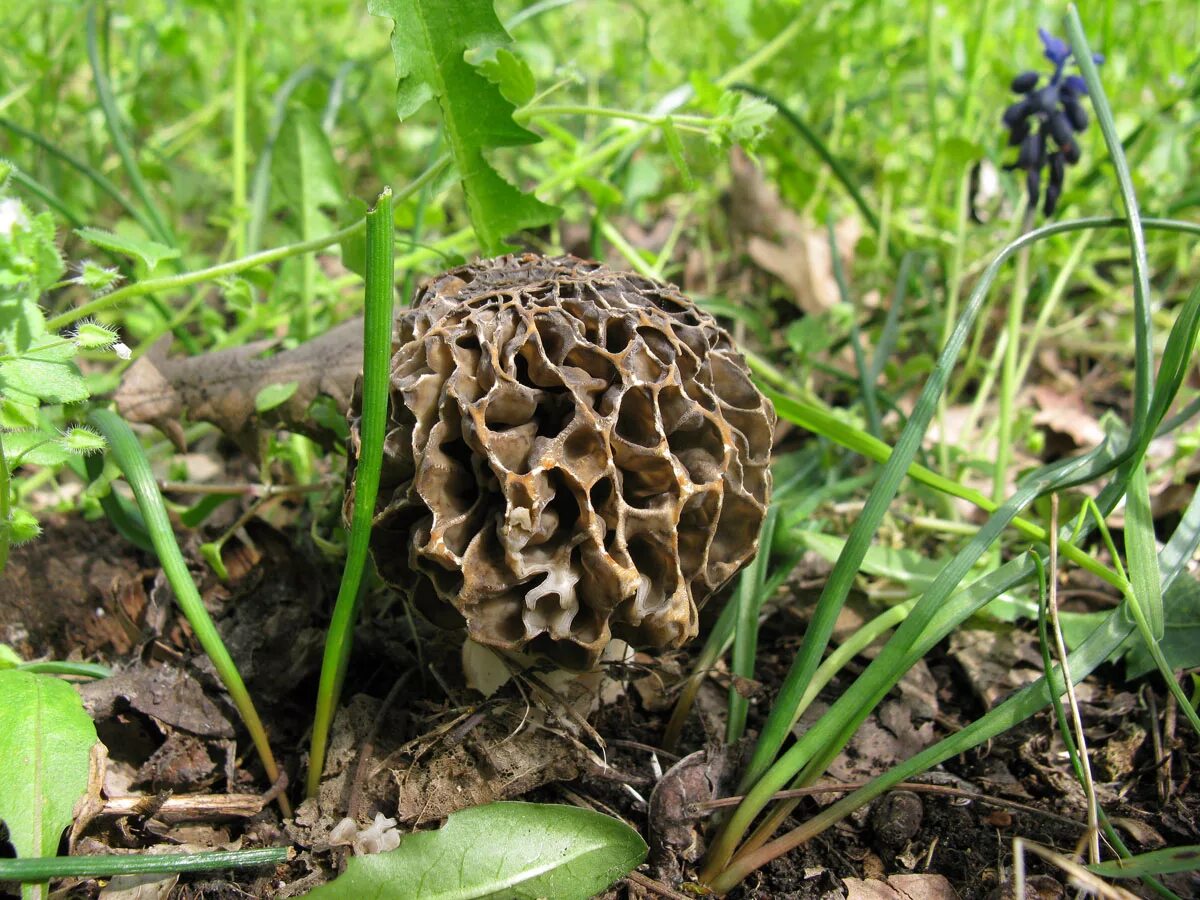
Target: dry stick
1161,760
245,488
1060,650
645,881
918,787
1079,875
187,807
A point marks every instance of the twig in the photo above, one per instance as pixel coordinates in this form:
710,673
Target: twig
247,489
187,807
1060,650
657,887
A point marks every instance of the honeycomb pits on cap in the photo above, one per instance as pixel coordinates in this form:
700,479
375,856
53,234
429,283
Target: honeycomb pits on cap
573,454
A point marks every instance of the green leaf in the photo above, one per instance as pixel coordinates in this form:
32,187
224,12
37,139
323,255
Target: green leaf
326,413
509,850
149,252
9,659
429,43
745,118
38,448
902,566
1156,862
274,394
17,415
29,264
960,151
354,245
306,175
675,148
22,526
1180,642
43,376
507,71
1142,553
46,741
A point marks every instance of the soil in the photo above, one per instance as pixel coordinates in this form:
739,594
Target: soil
82,592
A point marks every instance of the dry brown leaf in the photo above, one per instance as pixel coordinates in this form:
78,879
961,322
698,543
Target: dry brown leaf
996,663
1066,414
900,887
794,250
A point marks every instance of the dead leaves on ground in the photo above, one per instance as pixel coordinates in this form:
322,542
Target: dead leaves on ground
792,248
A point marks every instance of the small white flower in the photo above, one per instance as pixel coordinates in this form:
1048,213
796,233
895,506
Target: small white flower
12,213
122,350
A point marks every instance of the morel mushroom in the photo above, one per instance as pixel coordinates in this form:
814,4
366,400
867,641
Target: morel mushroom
573,454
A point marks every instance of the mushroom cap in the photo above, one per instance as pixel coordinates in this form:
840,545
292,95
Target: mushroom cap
572,454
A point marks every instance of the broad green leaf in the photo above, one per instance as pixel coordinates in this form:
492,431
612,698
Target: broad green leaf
501,850
306,175
16,415
39,448
1156,862
1142,553
46,741
429,43
151,253
274,394
46,372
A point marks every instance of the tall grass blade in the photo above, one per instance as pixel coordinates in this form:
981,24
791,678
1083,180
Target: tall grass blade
116,130
377,351
127,451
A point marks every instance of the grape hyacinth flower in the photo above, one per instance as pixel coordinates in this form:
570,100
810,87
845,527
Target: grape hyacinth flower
1043,124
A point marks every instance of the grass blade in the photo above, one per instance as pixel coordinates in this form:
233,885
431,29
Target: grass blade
104,865
90,172
377,351
127,450
818,146
112,117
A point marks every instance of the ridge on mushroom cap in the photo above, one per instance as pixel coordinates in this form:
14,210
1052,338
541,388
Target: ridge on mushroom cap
573,454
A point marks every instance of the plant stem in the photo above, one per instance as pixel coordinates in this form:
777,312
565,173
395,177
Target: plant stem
239,212
45,868
377,344
1008,372
175,282
254,260
5,512
526,113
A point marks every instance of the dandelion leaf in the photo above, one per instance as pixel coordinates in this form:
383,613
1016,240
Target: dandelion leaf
430,43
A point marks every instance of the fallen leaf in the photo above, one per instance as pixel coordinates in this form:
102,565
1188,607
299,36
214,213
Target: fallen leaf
1066,413
900,887
794,250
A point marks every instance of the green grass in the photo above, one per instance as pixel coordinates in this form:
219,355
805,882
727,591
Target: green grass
239,138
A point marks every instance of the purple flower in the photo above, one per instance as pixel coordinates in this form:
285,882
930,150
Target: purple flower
1044,123
1057,50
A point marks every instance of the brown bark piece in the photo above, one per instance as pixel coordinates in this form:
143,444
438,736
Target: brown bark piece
221,387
